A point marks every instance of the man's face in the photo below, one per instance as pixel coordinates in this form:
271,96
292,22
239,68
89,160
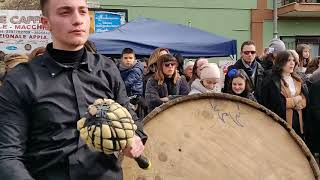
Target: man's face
248,53
69,23
128,59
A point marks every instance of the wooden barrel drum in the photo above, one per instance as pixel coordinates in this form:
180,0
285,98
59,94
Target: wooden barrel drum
220,136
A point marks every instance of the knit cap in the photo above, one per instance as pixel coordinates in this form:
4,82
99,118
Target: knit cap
200,62
209,71
276,45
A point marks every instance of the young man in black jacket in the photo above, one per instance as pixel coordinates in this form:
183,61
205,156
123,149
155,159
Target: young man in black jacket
41,101
251,66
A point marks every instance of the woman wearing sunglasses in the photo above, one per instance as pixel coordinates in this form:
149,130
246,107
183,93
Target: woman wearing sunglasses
166,83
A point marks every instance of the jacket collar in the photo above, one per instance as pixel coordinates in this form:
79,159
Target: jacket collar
55,68
259,70
276,80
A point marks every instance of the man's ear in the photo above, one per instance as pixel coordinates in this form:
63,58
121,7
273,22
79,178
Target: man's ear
45,21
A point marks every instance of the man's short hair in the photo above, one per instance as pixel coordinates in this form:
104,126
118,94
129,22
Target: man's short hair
43,4
127,51
247,43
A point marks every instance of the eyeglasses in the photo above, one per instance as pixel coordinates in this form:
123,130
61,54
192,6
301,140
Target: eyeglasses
169,64
249,52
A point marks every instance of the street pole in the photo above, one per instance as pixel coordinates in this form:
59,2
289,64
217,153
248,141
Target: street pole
275,19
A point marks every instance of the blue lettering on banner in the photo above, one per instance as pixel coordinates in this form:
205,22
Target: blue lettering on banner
11,48
106,21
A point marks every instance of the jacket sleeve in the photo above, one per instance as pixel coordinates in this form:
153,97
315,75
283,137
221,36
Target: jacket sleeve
13,134
184,87
121,97
303,101
266,94
152,95
290,103
135,82
251,97
226,80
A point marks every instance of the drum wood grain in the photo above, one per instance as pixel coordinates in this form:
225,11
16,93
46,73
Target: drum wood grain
221,137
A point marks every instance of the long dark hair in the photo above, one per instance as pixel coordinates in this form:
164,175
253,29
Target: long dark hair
154,57
194,70
159,76
240,73
280,61
300,49
180,60
313,65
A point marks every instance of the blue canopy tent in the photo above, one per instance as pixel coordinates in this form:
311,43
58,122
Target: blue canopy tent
144,35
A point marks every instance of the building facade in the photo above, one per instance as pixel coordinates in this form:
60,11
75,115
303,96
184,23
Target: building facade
224,17
298,20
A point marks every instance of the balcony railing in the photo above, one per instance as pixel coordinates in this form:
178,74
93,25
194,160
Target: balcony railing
285,2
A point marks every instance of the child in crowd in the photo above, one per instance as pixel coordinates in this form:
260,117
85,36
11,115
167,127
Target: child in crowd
209,80
304,52
240,84
196,69
131,72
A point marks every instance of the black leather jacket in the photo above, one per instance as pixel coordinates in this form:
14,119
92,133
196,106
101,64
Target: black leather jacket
40,103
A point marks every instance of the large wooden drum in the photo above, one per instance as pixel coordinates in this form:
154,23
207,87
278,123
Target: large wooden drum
221,137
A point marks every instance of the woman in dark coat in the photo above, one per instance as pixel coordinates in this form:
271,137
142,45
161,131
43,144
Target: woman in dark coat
284,92
166,83
313,110
314,117
152,62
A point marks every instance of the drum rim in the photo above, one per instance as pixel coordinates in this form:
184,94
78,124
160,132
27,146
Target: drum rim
274,116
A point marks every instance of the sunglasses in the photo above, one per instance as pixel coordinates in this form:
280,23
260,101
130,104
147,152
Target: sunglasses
249,52
169,64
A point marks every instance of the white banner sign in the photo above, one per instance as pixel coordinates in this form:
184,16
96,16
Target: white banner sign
21,31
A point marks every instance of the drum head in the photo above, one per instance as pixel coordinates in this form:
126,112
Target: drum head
220,136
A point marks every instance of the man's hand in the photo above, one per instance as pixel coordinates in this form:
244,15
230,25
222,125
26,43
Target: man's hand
136,148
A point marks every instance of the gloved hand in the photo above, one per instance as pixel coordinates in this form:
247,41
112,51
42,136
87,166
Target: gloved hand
107,127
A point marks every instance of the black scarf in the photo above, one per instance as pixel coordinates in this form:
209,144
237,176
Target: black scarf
250,71
170,86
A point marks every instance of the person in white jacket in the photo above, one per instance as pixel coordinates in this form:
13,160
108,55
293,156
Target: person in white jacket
209,80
